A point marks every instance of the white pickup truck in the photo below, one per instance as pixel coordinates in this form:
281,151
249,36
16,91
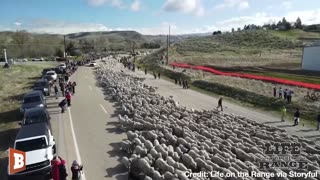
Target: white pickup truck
39,145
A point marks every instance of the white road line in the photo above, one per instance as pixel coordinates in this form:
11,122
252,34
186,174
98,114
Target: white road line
90,87
83,177
105,111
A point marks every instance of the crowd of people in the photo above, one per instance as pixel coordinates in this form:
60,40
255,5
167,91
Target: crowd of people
285,94
181,82
59,170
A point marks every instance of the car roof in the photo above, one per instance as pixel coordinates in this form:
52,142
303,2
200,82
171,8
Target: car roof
32,130
42,80
32,93
51,71
35,110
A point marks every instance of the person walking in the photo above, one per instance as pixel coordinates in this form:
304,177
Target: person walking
56,91
220,104
76,170
55,162
296,117
274,92
68,97
74,84
318,119
280,93
62,169
284,113
159,75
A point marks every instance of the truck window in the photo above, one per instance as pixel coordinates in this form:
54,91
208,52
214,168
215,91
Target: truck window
35,118
40,84
31,99
31,145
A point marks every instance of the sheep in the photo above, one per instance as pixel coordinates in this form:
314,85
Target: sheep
162,165
188,161
162,131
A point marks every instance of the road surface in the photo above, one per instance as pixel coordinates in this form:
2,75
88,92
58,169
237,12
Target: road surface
96,138
197,100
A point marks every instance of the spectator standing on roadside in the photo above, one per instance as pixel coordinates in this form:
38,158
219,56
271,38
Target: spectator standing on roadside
289,96
318,119
180,82
62,169
159,75
296,117
56,90
74,84
55,162
220,104
274,92
280,93
285,94
176,81
284,113
145,71
187,86
68,97
154,75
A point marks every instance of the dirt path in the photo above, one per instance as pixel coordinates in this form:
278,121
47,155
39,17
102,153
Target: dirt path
196,100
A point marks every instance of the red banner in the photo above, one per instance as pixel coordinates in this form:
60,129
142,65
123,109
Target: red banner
249,76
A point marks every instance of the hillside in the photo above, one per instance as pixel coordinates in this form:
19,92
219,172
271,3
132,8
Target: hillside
246,48
38,45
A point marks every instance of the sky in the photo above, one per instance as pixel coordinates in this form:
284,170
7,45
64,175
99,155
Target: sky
150,17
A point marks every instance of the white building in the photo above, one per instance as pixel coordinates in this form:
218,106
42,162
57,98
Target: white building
311,58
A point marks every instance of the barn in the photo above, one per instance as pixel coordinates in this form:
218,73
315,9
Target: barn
311,58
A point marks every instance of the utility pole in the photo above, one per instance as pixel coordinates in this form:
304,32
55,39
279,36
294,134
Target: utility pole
168,45
5,55
167,50
64,42
169,35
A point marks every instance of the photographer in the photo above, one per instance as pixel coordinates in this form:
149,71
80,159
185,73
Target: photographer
76,170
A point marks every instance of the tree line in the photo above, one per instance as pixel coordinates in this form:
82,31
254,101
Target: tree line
282,25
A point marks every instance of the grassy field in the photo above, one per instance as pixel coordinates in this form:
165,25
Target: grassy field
14,83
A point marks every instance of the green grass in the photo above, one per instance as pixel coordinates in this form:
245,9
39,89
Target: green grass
295,34
14,83
301,78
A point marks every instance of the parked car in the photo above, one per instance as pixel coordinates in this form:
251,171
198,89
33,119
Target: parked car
44,71
58,70
93,64
36,59
49,79
63,65
37,141
53,74
33,99
42,85
36,115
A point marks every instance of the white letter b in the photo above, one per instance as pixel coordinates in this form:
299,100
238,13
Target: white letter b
18,161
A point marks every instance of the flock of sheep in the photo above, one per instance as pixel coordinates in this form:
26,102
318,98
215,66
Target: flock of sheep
166,140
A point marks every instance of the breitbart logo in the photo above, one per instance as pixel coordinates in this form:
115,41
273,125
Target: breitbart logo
17,161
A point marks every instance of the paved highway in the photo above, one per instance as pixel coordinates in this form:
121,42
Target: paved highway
88,131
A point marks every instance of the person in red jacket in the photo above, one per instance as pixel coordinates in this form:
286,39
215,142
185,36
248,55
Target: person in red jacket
68,97
55,163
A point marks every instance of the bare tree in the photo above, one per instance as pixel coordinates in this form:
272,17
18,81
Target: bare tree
21,38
